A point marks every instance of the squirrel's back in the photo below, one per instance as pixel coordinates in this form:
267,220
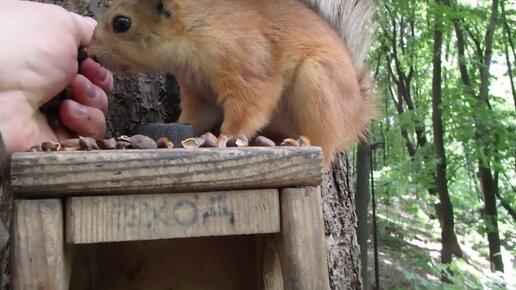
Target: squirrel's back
246,66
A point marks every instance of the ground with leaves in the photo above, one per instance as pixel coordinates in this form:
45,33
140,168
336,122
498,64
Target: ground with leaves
409,256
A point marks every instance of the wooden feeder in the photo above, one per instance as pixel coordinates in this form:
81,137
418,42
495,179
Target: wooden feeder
214,218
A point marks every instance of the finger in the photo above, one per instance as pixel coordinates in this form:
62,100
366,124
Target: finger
97,74
88,94
85,121
85,27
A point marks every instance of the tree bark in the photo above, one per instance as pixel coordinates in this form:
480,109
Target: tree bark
142,99
441,182
341,226
5,219
491,217
488,185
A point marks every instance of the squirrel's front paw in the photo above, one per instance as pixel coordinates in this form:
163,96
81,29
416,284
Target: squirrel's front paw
222,141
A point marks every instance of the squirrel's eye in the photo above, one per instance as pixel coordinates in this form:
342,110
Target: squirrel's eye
121,24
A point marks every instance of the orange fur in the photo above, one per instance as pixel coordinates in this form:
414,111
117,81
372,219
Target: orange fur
249,66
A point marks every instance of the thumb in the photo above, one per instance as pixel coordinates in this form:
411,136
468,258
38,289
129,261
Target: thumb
85,27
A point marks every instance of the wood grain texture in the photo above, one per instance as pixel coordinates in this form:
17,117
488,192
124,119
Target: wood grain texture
39,260
165,216
272,276
41,174
301,242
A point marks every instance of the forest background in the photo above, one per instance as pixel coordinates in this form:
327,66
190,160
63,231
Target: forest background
445,176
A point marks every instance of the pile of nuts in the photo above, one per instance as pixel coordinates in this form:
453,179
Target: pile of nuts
144,142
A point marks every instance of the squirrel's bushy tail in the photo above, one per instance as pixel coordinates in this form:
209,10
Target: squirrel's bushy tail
353,20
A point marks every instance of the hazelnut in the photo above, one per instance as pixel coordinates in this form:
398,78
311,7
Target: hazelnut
107,144
50,146
262,141
238,141
88,144
121,144
143,142
124,138
209,140
70,143
191,143
163,142
290,142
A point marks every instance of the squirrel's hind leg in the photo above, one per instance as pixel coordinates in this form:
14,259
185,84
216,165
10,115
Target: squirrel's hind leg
326,104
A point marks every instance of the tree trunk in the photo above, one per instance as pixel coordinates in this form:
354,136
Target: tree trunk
363,167
441,182
340,226
487,183
491,217
144,99
403,84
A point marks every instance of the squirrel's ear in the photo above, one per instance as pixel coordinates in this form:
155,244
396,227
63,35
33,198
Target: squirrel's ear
164,8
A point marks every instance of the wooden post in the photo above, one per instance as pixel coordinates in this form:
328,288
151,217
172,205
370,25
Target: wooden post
301,241
38,253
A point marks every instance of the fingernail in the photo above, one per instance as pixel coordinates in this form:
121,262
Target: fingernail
80,112
92,92
103,74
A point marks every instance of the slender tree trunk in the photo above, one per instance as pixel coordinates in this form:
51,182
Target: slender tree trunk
481,131
363,167
403,83
491,217
486,178
505,204
448,223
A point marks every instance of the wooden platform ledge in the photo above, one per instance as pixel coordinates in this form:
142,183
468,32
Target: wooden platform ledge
79,173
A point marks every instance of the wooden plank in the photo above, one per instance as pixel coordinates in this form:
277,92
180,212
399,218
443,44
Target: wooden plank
48,174
301,243
39,255
165,216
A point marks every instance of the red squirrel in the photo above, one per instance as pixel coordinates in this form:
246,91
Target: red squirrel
277,68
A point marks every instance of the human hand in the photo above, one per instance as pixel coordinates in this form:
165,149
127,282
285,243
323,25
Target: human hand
38,53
